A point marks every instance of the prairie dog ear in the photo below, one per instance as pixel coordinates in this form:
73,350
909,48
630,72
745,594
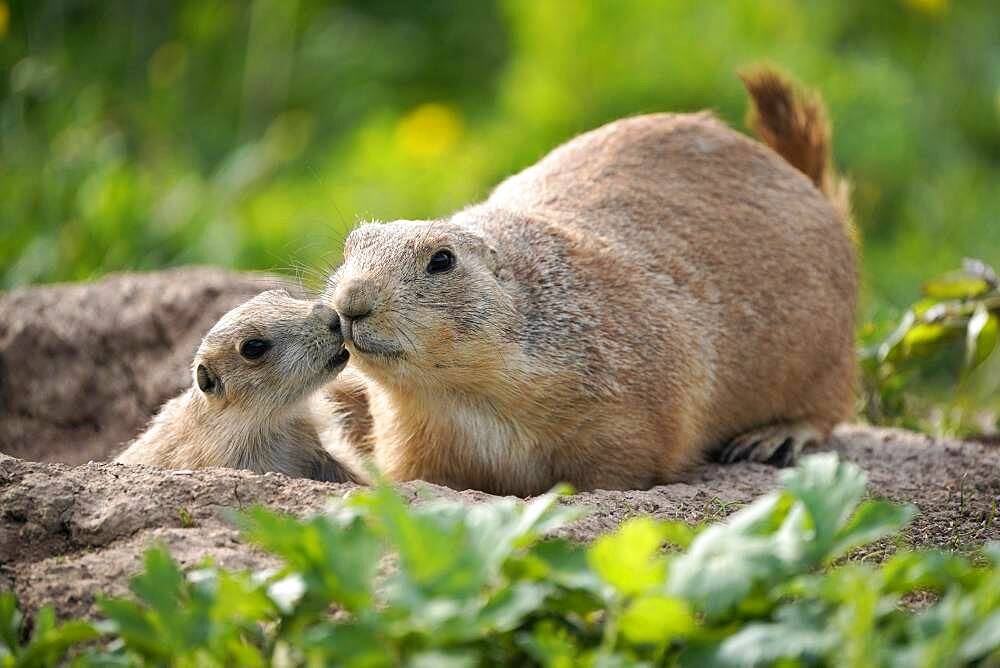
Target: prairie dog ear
207,381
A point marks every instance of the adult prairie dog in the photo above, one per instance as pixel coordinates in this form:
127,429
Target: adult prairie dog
253,401
649,292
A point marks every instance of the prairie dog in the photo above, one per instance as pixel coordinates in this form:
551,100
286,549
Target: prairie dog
651,291
253,403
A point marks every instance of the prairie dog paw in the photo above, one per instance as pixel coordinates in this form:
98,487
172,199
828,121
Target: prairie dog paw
776,444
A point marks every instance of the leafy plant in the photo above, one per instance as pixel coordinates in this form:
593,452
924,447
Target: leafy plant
374,582
950,335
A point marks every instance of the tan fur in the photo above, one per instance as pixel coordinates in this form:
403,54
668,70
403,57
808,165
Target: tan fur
264,414
647,292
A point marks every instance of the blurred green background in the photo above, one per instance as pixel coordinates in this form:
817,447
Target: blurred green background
137,134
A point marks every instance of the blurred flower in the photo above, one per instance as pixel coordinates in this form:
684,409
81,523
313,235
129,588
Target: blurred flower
932,7
4,18
167,64
429,130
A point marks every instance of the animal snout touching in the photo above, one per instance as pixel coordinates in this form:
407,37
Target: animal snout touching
326,314
354,300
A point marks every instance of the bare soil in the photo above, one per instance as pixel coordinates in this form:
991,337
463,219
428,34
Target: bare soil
82,367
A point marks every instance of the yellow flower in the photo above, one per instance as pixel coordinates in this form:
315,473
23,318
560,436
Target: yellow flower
429,131
4,18
932,7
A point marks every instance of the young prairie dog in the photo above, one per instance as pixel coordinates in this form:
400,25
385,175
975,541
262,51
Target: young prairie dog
254,403
652,291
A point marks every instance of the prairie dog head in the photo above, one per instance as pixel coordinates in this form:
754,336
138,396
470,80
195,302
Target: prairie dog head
421,302
269,353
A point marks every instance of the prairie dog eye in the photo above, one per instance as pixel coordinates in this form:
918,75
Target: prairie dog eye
253,349
441,261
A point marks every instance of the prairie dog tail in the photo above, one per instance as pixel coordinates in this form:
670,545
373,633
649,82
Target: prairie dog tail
794,123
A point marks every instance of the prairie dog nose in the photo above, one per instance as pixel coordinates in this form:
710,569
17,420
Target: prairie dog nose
326,314
354,299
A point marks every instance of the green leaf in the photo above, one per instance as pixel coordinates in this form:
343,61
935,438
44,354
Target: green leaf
830,490
679,534
10,622
550,645
508,607
444,659
561,563
889,349
629,559
135,627
654,618
349,643
49,644
336,557
981,337
160,585
905,572
956,285
435,549
872,521
924,338
992,552
983,639
728,559
800,632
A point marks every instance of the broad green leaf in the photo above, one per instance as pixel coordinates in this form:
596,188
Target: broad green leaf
160,585
856,588
499,528
551,645
888,350
654,618
983,639
10,621
49,646
981,337
562,563
346,644
923,338
727,560
679,534
933,569
830,490
992,552
134,626
629,559
508,607
800,633
445,659
336,558
956,285
235,599
437,557
872,521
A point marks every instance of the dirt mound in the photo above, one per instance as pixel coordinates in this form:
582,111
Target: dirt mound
83,367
